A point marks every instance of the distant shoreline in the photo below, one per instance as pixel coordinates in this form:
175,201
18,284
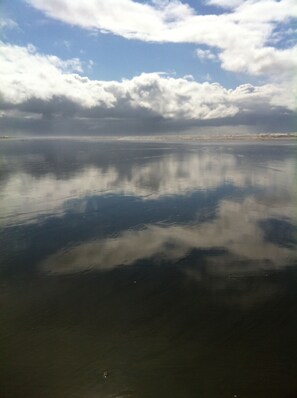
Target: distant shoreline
166,138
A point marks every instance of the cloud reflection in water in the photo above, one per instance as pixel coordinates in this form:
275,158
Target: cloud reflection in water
26,197
236,230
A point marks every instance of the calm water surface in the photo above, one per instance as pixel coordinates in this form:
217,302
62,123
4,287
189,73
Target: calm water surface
171,267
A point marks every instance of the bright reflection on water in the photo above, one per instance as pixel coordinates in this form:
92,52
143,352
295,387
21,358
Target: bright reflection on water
170,266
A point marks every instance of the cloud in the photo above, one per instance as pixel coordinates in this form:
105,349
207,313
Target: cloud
46,84
225,3
27,75
205,55
261,61
8,23
241,33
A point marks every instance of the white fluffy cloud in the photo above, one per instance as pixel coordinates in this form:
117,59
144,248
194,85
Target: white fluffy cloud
27,75
261,61
30,79
241,33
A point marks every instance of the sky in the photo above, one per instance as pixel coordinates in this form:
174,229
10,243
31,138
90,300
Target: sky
147,67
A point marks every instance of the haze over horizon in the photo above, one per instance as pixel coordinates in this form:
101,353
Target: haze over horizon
126,67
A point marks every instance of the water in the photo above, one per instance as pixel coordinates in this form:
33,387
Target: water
148,269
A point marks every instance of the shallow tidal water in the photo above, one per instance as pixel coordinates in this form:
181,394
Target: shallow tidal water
148,270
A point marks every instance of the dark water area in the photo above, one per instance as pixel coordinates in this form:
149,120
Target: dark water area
148,270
